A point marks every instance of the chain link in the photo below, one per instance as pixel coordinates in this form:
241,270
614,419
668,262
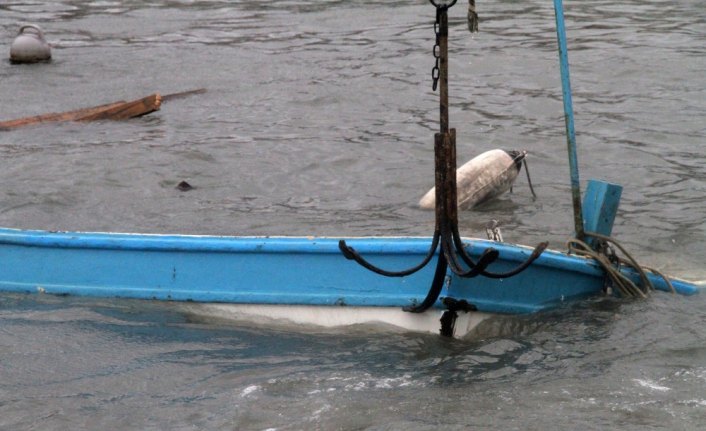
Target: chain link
436,50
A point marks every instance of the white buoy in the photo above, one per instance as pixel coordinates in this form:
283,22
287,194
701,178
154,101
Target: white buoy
482,178
30,46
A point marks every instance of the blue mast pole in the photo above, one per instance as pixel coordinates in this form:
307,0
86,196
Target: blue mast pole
569,117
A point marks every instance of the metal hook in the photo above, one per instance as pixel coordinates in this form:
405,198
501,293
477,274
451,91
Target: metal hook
440,6
446,235
350,253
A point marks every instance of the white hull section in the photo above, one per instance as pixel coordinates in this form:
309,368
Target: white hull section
334,317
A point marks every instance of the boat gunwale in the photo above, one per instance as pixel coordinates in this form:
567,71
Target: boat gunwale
309,245
381,245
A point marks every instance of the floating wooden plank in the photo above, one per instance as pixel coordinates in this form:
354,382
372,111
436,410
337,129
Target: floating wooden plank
120,110
57,116
123,111
182,94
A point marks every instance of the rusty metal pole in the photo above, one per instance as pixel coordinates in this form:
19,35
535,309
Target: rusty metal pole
448,204
447,240
444,69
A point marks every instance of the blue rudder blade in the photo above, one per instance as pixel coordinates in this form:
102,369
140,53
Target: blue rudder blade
600,206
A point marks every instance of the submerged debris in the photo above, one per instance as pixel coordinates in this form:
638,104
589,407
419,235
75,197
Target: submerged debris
184,186
120,110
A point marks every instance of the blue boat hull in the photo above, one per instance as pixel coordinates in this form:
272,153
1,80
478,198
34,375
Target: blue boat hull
280,270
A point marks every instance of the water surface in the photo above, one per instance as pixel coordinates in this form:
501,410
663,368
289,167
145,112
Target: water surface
319,120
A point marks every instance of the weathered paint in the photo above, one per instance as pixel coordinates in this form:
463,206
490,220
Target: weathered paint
279,270
600,206
569,117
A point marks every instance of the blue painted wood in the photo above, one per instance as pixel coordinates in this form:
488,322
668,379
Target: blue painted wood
272,270
600,206
569,117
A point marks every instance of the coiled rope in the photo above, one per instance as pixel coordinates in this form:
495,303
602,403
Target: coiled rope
611,264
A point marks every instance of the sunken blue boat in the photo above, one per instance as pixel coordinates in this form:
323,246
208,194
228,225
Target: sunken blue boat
334,281
313,283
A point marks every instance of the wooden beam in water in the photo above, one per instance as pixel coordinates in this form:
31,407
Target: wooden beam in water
57,116
123,111
182,94
120,110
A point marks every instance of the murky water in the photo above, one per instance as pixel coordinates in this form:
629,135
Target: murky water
319,120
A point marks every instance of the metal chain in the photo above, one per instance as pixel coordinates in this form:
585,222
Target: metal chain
436,50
